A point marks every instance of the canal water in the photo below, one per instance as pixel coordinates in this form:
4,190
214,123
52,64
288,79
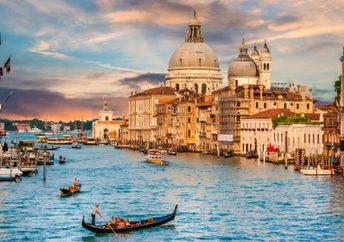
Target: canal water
219,199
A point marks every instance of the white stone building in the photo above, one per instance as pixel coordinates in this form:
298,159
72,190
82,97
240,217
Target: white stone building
254,69
106,127
257,133
194,65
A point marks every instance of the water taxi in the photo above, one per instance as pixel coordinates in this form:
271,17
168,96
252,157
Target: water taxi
153,156
318,171
90,141
66,140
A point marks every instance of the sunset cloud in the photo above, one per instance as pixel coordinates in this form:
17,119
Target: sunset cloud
78,51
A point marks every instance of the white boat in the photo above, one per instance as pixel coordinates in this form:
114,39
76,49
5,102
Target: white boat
6,172
153,156
317,171
35,130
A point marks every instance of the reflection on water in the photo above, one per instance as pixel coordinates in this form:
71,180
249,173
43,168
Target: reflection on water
218,199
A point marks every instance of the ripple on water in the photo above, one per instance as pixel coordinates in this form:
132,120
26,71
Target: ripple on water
219,199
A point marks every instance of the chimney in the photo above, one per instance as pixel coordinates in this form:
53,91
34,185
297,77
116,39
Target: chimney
245,90
303,92
261,89
310,93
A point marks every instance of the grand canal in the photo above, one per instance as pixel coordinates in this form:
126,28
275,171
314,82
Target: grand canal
219,199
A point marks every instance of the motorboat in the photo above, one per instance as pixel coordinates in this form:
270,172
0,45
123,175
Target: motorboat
153,156
76,146
10,174
90,141
60,141
318,171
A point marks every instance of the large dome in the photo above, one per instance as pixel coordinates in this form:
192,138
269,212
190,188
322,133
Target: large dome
194,54
243,65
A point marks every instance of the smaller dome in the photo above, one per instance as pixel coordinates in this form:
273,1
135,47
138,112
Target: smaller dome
243,65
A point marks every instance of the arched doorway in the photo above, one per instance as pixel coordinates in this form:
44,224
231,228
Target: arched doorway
106,134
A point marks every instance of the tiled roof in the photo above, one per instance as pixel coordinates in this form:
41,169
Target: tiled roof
156,91
270,113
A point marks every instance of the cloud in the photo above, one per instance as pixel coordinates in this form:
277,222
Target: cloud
27,104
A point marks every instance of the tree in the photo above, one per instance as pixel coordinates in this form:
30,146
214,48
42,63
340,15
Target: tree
337,89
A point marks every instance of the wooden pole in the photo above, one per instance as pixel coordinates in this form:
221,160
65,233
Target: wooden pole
44,168
286,149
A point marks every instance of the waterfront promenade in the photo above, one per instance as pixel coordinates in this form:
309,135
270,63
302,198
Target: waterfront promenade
219,199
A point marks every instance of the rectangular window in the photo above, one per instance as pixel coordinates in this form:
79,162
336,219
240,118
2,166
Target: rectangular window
304,138
318,138
274,137
309,138
281,137
313,139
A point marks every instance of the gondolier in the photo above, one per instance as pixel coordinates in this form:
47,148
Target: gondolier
95,211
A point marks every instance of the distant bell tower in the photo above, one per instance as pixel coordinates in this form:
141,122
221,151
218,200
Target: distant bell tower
255,56
106,114
265,67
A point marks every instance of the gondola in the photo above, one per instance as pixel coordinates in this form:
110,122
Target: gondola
134,225
62,161
53,148
66,192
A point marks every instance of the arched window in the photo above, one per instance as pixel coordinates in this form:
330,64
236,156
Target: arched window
196,88
189,120
268,66
264,105
264,66
177,87
285,105
308,105
204,88
106,118
189,133
257,105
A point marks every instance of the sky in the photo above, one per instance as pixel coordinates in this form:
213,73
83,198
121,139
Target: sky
67,55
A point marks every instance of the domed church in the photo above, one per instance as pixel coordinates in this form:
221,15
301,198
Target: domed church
254,69
194,65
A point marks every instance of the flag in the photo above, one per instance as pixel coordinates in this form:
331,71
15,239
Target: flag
7,65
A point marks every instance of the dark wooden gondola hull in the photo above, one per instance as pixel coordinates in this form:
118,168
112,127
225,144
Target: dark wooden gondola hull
66,192
157,221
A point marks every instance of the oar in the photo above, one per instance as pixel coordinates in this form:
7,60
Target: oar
105,220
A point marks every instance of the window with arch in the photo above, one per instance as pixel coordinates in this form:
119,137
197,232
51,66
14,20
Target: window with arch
204,88
189,109
177,87
268,66
297,106
189,120
257,105
106,118
265,105
264,66
285,105
308,106
196,88
189,133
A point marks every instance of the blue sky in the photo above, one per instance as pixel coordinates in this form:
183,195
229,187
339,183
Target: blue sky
66,55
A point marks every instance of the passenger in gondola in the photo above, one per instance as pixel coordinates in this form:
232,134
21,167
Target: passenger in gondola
76,182
95,211
112,223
